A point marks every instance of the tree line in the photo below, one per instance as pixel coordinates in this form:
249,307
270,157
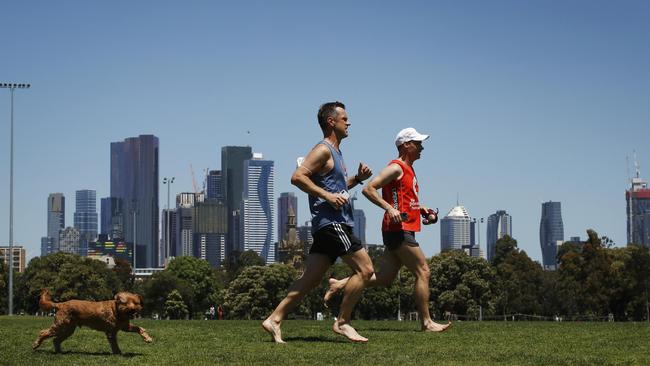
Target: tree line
594,280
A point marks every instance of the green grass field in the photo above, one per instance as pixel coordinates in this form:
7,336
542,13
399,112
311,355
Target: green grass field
313,343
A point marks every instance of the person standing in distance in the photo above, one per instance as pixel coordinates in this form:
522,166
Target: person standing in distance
399,199
323,176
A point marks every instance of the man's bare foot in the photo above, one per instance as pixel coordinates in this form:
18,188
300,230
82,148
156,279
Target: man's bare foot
273,329
435,327
350,333
332,290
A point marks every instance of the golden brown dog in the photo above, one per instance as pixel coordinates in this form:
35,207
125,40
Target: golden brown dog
105,316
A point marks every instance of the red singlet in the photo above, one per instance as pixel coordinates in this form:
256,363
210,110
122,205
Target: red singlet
402,194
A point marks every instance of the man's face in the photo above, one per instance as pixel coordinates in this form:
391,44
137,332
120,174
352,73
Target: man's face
414,149
340,123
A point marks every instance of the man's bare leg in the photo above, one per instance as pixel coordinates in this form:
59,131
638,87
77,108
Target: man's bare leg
414,260
361,265
390,264
315,267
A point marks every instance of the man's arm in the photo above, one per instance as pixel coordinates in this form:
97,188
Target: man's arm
363,173
315,162
387,175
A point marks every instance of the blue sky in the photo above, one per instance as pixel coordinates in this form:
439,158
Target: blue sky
525,101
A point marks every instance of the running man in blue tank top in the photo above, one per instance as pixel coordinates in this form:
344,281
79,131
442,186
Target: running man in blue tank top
322,175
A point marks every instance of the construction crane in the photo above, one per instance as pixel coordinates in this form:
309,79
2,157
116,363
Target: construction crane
196,187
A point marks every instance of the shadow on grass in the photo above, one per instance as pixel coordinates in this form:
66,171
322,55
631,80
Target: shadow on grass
386,329
316,339
124,354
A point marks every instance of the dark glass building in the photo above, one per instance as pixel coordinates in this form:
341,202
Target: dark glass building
55,220
210,231
215,188
85,218
551,231
499,224
359,228
134,180
112,216
232,181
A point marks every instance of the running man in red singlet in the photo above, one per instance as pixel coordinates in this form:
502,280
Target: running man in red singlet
399,199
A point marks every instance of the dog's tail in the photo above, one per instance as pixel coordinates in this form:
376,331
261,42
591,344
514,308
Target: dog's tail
45,302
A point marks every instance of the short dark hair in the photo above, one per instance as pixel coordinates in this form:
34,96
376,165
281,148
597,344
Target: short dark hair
328,110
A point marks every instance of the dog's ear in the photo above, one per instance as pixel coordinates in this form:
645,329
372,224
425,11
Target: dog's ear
141,299
121,298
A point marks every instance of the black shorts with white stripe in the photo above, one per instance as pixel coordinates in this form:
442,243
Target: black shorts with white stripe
335,240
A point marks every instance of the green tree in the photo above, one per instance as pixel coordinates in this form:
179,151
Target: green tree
257,290
157,288
124,273
630,282
175,307
67,276
519,280
502,248
461,284
198,274
245,259
585,277
4,280
596,280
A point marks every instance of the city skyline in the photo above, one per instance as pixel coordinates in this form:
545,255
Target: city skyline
524,102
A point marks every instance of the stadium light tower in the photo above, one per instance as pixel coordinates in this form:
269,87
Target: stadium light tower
10,302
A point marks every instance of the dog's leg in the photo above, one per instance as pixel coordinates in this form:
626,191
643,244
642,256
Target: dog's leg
61,334
43,335
112,339
141,331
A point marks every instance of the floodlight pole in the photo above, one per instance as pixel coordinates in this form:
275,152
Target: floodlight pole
168,182
10,303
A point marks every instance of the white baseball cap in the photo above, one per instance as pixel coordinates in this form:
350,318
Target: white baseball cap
409,134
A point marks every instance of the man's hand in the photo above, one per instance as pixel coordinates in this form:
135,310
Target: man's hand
337,200
429,216
394,215
363,172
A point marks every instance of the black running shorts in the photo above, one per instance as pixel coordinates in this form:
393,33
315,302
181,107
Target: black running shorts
394,239
335,240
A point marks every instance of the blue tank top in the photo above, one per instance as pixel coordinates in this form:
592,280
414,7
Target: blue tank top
335,181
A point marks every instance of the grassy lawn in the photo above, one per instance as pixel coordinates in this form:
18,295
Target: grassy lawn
313,343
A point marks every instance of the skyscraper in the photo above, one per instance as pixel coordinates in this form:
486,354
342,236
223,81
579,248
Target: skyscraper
134,179
69,240
257,210
499,224
85,218
551,230
55,221
232,181
112,216
185,224
215,187
304,234
359,229
455,230
286,200
638,212
210,231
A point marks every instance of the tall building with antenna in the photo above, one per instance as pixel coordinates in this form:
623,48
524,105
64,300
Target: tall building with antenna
637,198
455,230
